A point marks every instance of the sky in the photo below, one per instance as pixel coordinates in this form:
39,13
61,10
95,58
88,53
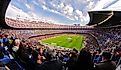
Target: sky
59,11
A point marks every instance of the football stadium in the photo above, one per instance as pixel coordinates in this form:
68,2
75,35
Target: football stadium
60,34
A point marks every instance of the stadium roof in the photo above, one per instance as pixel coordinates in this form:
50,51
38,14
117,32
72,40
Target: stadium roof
3,6
105,18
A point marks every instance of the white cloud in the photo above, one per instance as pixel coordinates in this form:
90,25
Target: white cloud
73,10
28,6
87,0
77,18
44,7
54,11
18,13
68,10
90,5
79,13
105,5
41,2
32,14
116,6
36,3
13,12
61,5
22,1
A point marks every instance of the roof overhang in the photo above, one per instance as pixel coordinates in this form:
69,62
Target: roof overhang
105,18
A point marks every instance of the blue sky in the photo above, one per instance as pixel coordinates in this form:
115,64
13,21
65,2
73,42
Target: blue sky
59,11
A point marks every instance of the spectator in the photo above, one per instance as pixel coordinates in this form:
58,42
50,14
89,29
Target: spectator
97,57
39,61
1,47
5,40
84,61
21,54
51,63
1,40
106,63
72,60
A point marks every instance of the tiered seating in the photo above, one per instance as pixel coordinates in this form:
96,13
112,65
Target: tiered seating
108,37
38,24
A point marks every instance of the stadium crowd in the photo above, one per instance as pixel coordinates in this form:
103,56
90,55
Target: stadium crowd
33,24
39,24
17,53
108,37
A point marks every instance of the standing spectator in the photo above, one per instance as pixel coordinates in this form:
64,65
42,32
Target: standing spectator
106,64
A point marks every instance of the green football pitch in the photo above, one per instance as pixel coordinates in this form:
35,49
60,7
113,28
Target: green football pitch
66,40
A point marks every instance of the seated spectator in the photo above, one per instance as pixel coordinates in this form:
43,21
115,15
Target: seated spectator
65,58
39,61
21,55
84,61
97,57
106,63
72,60
51,63
5,40
4,58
